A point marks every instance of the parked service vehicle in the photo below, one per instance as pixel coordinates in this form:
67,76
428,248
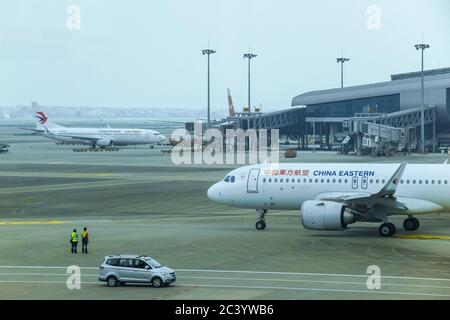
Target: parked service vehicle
4,148
121,269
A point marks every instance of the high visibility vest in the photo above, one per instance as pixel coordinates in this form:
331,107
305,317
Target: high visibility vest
85,235
74,237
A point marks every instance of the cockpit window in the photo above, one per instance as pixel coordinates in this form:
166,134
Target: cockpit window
229,179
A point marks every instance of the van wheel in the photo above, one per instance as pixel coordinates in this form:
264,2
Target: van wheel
157,282
112,281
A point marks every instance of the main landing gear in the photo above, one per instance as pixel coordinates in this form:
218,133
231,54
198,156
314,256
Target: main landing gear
411,224
388,229
261,223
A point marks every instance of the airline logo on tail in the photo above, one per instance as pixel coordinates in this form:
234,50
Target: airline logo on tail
42,118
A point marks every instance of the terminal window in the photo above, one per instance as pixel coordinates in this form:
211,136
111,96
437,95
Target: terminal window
347,108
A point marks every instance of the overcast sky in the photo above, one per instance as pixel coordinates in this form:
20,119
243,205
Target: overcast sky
148,53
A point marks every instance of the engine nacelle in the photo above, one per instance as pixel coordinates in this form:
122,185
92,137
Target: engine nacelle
326,215
104,143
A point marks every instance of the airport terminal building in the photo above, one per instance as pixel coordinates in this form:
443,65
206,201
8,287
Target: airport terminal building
392,104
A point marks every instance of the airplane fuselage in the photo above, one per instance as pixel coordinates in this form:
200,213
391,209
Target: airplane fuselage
117,136
423,187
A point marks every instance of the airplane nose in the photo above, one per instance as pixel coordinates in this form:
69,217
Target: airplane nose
213,193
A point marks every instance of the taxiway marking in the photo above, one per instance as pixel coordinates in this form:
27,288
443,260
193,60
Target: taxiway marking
31,222
240,279
422,237
249,272
257,287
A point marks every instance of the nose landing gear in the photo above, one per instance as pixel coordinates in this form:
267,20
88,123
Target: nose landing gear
261,223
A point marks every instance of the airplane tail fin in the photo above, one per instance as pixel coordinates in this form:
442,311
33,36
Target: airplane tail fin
230,104
42,121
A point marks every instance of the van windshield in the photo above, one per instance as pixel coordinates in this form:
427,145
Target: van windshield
153,263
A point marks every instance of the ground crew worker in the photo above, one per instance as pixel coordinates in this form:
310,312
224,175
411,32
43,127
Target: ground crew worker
74,240
84,240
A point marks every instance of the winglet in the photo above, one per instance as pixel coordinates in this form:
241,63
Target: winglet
391,185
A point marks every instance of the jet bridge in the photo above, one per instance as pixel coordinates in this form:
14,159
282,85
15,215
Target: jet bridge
397,130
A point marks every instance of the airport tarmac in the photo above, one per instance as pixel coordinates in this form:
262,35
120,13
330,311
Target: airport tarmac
137,201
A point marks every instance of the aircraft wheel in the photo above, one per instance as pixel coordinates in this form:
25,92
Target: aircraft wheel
411,224
260,225
387,230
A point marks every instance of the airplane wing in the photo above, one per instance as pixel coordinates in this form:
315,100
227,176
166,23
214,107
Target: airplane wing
383,197
35,130
87,139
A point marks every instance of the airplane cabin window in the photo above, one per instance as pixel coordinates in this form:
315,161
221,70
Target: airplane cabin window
275,180
432,181
281,180
426,181
270,180
414,181
328,180
445,181
371,181
383,181
420,181
377,181
264,180
439,181
293,180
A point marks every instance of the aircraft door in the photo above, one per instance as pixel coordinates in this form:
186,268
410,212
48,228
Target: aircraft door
355,183
364,182
252,182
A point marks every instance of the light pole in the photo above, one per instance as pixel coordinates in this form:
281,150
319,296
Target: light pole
422,47
208,52
342,61
249,56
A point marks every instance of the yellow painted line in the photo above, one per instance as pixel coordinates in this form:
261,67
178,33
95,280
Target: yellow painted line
92,174
31,222
423,237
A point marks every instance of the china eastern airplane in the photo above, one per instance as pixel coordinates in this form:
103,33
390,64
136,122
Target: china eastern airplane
96,137
333,196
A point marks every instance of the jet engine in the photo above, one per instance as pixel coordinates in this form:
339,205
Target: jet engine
326,215
104,143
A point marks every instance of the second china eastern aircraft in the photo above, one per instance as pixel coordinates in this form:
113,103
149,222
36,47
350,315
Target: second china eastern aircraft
96,137
335,195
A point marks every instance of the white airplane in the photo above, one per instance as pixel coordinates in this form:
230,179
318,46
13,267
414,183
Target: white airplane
334,195
96,137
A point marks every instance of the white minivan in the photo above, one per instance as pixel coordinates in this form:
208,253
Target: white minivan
121,269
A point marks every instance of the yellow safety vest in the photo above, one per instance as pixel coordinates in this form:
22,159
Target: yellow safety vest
85,235
74,237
